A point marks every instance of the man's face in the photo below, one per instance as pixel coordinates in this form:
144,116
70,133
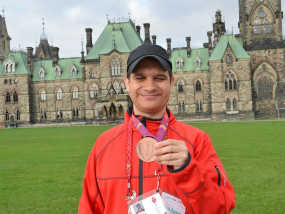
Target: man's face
149,87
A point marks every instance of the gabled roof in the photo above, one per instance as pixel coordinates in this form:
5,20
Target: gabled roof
65,66
20,60
116,36
190,62
234,43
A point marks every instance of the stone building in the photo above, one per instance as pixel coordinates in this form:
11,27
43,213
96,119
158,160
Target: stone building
231,77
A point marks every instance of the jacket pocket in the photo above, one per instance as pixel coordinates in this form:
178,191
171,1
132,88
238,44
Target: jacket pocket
219,175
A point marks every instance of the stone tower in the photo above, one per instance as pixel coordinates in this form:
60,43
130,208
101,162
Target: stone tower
260,23
4,39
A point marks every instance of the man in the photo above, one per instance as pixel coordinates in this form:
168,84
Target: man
151,150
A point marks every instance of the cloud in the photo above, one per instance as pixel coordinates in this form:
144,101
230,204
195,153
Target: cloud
73,12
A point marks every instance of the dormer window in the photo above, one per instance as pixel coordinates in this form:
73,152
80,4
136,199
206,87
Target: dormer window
57,71
229,59
198,62
9,67
261,13
42,74
74,71
179,64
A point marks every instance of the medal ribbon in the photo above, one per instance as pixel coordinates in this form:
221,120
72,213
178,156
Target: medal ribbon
131,195
160,132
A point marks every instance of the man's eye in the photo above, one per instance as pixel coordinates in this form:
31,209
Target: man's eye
159,78
139,77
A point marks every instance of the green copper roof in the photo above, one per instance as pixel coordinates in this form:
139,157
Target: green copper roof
235,44
65,66
20,60
198,59
119,36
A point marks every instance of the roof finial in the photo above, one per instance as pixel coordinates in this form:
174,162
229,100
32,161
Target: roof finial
43,35
3,12
82,45
43,23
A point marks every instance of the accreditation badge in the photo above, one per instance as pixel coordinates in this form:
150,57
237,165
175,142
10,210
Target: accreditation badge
157,203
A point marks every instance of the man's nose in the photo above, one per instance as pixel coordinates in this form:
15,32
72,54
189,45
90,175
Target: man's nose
149,84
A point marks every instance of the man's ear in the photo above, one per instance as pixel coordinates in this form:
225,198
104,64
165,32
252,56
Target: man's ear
126,81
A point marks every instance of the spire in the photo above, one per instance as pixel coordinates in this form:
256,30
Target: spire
43,35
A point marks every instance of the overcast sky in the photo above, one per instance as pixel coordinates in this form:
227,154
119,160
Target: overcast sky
66,20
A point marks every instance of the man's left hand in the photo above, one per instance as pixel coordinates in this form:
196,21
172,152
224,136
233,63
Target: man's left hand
173,153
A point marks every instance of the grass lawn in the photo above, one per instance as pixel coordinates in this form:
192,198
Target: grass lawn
41,169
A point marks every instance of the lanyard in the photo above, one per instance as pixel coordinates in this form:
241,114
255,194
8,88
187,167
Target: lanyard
131,194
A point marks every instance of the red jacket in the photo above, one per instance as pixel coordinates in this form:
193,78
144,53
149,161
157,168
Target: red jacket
202,185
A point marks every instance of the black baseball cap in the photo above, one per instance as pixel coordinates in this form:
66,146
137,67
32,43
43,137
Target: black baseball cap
149,50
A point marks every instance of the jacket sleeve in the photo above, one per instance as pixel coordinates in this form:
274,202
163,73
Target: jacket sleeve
203,185
91,200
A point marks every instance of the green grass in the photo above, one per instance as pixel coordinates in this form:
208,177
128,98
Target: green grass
41,169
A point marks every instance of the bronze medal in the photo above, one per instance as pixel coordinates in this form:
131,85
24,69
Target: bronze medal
145,149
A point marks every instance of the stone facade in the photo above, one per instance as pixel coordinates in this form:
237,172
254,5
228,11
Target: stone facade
232,77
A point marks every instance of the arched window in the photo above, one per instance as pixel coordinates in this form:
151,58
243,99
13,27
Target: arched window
226,85
262,22
180,86
235,108
179,64
179,107
228,105
42,74
265,88
92,74
230,84
7,97
7,115
74,71
15,97
267,26
59,94
199,106
115,67
58,71
75,93
43,95
198,86
18,115
93,91
230,81
256,27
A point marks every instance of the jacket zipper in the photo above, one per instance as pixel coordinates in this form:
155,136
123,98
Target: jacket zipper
143,121
219,175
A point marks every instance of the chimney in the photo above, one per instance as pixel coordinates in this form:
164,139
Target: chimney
147,33
188,39
154,39
55,51
89,44
168,40
138,28
209,34
30,54
82,61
